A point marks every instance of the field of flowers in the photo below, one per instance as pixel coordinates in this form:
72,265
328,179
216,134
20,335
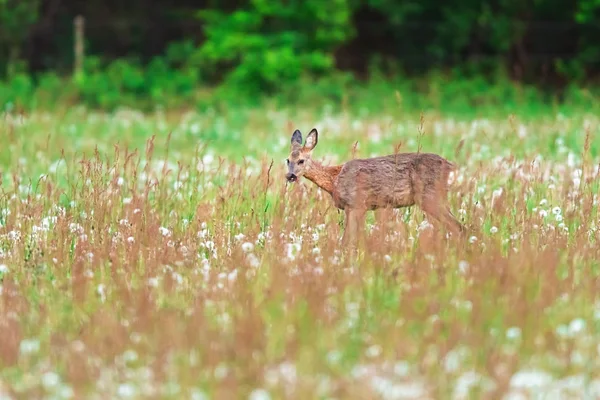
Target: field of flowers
164,255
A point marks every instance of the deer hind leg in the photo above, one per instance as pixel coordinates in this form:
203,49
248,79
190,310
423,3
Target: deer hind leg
432,197
439,211
452,222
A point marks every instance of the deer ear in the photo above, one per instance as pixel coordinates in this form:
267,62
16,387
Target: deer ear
312,139
297,138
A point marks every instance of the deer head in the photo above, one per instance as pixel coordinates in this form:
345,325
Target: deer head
299,161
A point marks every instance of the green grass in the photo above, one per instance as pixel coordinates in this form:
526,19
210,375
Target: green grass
184,267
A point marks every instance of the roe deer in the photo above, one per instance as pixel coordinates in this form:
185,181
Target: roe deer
397,180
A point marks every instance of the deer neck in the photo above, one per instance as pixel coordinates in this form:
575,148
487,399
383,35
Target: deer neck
322,176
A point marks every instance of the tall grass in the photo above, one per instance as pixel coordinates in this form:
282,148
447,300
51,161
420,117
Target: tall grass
164,256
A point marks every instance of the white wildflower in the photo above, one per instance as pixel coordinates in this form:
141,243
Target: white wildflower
530,380
454,359
463,266
232,276
577,326
177,278
497,193
259,394
29,346
15,236
197,394
556,210
562,331
424,226
75,228
373,351
101,292
126,390
130,356
292,249
401,368
195,128
513,333
208,159
253,260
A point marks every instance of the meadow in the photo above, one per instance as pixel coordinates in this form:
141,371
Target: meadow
163,255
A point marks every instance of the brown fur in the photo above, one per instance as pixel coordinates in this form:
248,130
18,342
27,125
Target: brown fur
393,181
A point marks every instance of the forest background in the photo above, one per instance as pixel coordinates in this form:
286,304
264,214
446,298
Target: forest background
185,53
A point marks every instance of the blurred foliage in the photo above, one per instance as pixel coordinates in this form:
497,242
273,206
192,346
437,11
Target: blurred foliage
587,11
172,54
270,41
128,83
16,19
165,81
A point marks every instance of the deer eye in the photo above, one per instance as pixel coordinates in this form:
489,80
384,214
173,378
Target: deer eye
287,161
301,162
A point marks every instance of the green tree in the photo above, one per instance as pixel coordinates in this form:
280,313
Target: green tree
16,19
270,42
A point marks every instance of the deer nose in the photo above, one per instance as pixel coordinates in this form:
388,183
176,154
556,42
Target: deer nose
291,177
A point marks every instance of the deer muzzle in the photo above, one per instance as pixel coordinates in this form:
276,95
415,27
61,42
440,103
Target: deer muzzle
291,177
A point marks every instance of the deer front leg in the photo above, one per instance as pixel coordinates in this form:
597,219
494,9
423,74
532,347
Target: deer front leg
354,219
346,235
